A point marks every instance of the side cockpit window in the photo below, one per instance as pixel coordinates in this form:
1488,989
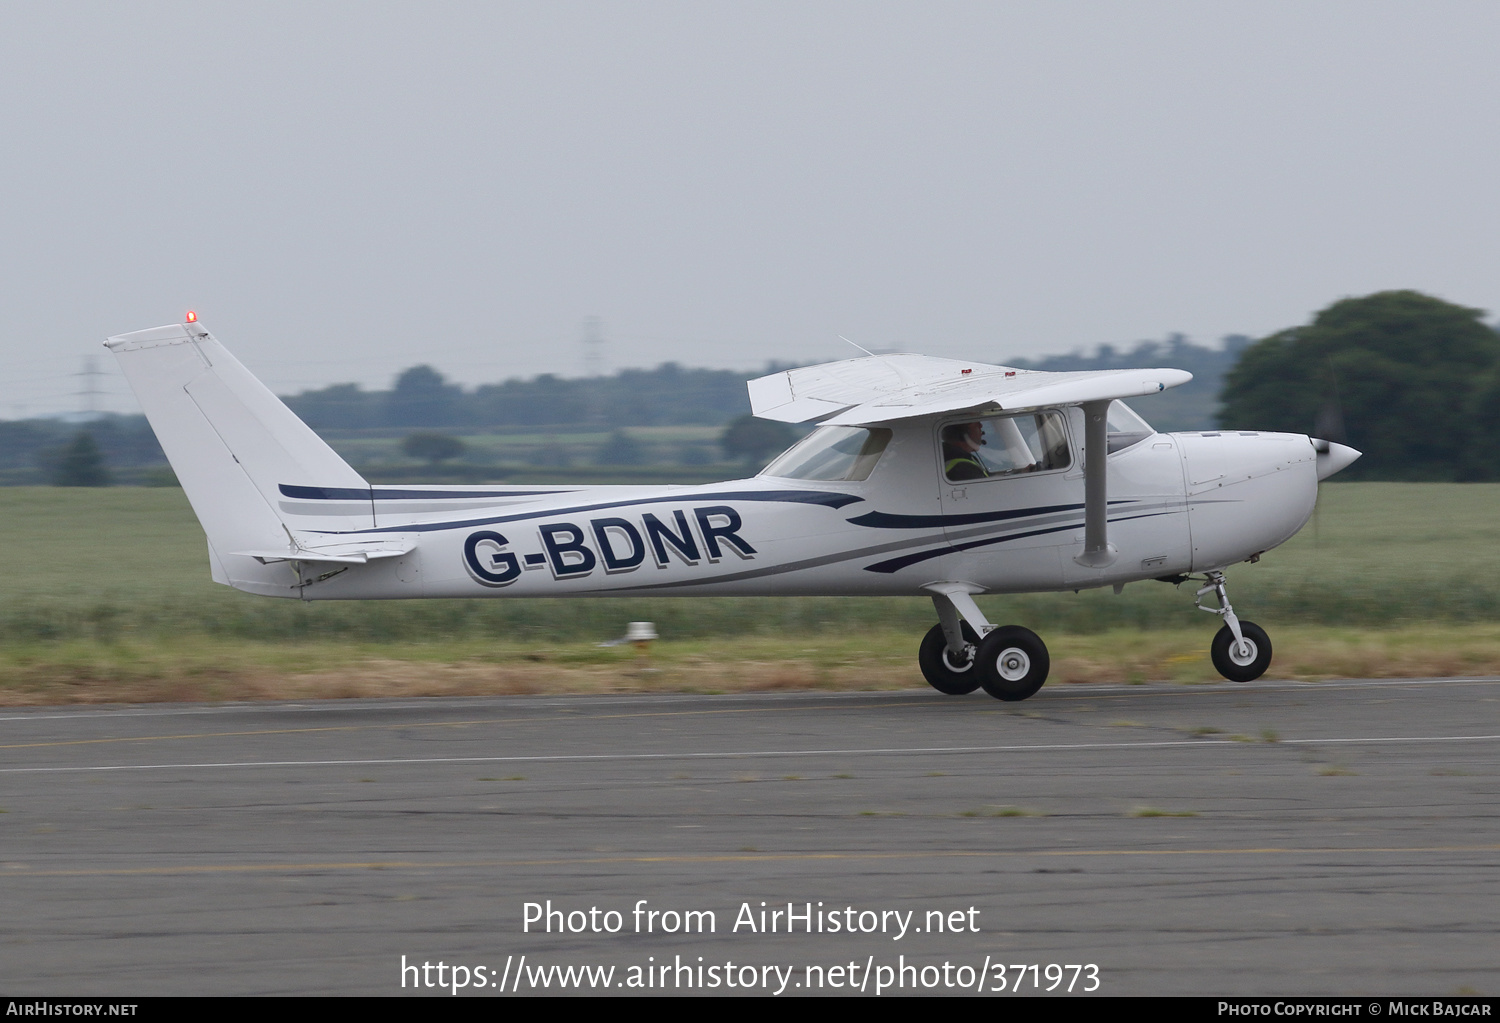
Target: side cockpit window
832,454
1004,446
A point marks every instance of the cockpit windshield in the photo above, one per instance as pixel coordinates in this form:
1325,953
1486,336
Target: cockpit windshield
1124,427
832,453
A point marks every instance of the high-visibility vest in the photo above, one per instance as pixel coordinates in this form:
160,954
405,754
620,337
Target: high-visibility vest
966,459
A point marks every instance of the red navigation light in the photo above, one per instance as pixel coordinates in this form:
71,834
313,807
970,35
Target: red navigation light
192,317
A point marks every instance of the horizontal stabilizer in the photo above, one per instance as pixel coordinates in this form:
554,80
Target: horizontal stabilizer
884,388
357,553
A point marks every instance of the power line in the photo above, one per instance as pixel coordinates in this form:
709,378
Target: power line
593,366
88,396
593,347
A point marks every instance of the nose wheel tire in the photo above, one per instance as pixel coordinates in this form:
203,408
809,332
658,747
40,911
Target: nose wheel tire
1013,663
1237,665
942,670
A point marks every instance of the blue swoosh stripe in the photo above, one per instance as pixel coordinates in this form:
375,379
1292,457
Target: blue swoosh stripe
888,520
819,497
907,560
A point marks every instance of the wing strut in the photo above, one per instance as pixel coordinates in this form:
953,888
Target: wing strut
1097,553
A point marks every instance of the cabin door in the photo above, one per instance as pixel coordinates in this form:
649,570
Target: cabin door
1012,497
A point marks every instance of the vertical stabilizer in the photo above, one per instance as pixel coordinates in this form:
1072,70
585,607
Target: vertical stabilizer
234,445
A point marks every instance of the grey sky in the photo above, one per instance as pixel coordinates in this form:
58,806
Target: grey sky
344,190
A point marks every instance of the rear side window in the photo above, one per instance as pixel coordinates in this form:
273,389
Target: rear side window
832,454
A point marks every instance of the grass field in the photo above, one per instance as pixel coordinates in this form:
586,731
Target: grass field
107,597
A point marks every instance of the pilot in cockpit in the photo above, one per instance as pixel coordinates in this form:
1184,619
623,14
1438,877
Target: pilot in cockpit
961,444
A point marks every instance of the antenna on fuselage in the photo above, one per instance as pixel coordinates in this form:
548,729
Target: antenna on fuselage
860,347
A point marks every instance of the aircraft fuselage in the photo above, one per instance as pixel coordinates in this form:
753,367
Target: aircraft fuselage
1178,503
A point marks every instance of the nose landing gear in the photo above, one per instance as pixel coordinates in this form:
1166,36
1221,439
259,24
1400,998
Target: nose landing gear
1241,651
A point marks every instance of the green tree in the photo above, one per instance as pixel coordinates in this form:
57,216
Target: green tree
1484,460
1406,373
422,397
755,440
341,406
432,447
81,464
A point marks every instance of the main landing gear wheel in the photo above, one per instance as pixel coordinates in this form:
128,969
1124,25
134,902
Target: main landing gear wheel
1237,665
944,672
1013,663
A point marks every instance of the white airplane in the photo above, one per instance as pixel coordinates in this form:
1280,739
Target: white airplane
925,477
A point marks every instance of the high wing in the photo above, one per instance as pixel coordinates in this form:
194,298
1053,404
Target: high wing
883,388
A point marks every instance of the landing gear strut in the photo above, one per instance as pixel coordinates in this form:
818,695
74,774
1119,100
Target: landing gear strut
1241,651
964,652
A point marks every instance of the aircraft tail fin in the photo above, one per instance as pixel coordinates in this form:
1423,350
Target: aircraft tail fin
234,447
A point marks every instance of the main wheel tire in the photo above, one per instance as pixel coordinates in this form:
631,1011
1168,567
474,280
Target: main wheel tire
1013,663
1234,666
939,667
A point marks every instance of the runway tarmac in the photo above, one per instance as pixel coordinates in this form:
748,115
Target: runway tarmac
1260,839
